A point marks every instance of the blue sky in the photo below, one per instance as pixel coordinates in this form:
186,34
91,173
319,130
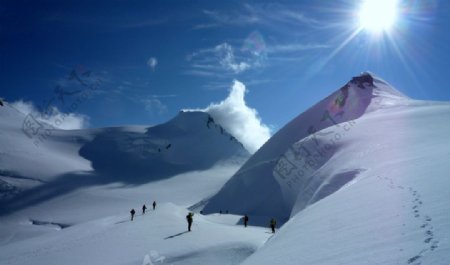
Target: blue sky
154,58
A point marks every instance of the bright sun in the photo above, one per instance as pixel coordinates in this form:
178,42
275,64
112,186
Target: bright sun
378,15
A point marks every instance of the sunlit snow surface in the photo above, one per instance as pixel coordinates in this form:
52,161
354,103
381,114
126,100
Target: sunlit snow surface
368,187
361,178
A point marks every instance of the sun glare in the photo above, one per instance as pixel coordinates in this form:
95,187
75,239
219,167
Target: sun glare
378,15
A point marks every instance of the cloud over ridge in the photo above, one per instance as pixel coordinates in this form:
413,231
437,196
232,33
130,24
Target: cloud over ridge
240,120
54,117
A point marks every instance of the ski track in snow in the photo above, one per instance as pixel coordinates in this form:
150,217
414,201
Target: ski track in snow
430,243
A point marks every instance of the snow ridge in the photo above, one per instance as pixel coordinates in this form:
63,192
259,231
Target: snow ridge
287,164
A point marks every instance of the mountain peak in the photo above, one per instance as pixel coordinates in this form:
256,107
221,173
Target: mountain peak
380,87
341,109
189,119
365,77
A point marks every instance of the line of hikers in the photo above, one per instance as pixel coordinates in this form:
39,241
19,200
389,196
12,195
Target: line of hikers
133,212
190,218
273,223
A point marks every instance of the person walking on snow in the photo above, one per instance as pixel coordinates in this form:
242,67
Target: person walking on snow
144,208
190,219
273,224
154,205
245,220
132,214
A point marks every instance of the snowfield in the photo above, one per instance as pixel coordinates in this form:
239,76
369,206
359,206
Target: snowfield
362,177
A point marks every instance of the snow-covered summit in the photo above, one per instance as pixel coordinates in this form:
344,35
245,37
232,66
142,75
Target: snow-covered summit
291,171
190,141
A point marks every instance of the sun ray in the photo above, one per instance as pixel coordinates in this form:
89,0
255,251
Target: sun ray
407,64
320,65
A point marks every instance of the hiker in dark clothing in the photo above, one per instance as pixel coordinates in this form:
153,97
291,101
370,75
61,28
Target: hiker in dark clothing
189,219
273,224
245,220
144,208
132,214
154,205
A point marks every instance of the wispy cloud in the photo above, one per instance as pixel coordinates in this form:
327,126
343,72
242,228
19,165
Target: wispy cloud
139,93
300,17
270,14
154,105
223,18
263,14
152,62
53,117
205,26
295,47
228,60
225,60
201,73
164,96
222,58
143,23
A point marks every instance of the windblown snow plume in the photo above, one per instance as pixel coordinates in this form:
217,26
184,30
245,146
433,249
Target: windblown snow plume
53,117
240,120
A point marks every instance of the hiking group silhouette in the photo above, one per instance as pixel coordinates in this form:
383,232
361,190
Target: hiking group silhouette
190,218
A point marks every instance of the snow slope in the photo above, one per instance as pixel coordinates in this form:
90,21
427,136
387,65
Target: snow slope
367,185
268,171
67,194
38,163
159,236
28,153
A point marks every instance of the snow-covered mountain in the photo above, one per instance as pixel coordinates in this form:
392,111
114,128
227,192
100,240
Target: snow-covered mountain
66,195
297,151
47,162
362,177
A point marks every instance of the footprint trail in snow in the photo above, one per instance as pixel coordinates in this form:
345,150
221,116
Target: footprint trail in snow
430,242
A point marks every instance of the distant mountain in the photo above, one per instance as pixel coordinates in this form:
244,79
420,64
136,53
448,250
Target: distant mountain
39,162
190,141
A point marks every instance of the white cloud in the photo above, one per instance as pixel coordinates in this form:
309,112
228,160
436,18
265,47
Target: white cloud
205,26
152,62
240,120
53,117
154,105
301,18
235,19
201,73
228,60
273,15
222,59
296,47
